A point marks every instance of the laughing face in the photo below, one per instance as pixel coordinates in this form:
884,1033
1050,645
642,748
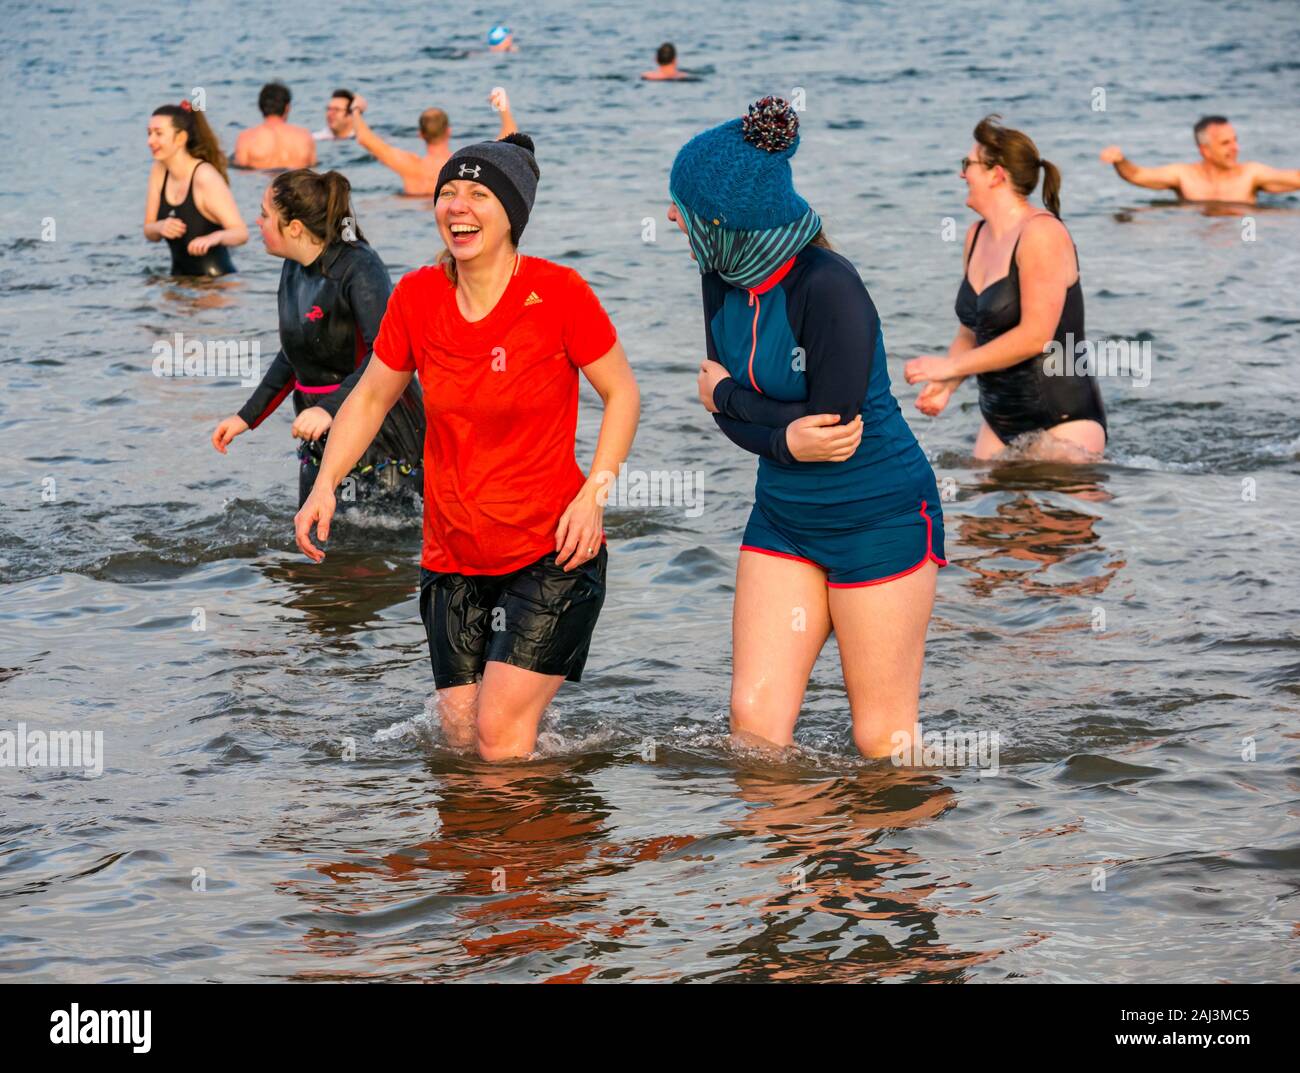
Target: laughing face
470,219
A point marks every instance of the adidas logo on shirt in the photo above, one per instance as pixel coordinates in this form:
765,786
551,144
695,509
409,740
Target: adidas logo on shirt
532,299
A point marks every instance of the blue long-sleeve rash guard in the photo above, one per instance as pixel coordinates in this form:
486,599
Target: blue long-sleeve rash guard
809,341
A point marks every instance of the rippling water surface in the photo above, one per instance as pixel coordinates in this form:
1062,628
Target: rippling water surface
1156,756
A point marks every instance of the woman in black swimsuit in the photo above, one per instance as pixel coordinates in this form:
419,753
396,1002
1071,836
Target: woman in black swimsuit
333,293
190,205
1020,294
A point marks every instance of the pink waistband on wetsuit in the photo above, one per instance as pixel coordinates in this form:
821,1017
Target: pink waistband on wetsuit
315,390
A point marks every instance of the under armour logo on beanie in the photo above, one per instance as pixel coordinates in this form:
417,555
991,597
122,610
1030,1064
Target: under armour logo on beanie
507,167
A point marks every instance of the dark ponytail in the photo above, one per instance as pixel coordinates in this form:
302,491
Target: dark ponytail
200,142
1052,188
323,203
1016,153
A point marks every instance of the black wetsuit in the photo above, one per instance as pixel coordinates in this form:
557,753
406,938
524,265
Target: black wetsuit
216,262
1023,398
330,312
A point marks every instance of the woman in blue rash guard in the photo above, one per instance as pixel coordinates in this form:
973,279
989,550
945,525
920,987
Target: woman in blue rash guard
333,293
846,531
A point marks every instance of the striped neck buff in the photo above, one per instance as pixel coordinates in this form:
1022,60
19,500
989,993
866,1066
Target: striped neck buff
746,258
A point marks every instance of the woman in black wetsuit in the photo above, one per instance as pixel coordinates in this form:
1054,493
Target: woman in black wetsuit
1020,306
188,204
333,293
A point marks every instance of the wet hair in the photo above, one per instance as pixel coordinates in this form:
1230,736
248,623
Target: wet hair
821,239
322,202
346,94
1205,123
666,54
1016,153
200,142
433,124
274,99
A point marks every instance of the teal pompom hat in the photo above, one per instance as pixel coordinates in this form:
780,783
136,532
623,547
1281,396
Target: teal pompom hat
733,188
737,175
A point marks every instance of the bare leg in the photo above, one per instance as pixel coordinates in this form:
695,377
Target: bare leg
987,444
779,623
457,708
881,630
1073,441
511,701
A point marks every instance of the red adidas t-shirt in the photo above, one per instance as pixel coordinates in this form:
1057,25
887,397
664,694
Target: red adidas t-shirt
501,397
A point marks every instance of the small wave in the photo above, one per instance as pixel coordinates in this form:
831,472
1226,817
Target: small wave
1158,464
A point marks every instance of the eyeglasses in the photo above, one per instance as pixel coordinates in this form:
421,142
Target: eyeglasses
967,161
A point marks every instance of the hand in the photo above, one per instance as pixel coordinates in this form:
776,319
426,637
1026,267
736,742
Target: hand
358,105
498,99
821,438
711,373
934,396
577,537
311,424
1112,154
171,227
199,246
928,367
318,509
227,431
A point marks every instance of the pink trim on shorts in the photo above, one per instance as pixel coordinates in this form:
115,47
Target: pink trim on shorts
927,557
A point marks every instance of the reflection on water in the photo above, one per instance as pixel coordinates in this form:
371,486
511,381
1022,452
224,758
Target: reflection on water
1032,529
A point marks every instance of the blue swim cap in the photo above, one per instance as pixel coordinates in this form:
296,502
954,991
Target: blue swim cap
498,34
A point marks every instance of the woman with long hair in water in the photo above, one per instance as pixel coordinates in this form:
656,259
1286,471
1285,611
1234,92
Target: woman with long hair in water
1019,312
333,292
189,203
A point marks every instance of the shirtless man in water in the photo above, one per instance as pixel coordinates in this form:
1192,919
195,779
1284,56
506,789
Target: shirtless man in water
420,173
1218,176
667,70
275,143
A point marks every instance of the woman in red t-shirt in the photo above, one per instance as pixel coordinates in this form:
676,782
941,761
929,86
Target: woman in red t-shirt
513,567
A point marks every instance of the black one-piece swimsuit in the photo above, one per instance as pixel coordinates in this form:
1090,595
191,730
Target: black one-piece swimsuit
1023,398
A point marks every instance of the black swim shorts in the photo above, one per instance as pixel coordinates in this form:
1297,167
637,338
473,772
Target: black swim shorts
538,617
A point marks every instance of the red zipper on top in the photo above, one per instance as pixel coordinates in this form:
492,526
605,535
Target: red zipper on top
767,284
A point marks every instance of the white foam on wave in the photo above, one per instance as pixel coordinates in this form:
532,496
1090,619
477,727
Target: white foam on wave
423,727
1290,449
368,518
1150,462
426,729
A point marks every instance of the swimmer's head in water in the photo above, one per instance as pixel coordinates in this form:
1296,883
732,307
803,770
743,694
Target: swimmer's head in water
434,125
174,127
1217,140
498,36
485,195
666,54
336,111
1003,156
274,99
304,200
